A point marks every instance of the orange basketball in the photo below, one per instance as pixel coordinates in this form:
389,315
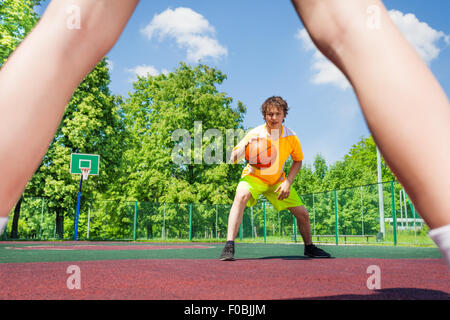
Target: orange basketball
260,153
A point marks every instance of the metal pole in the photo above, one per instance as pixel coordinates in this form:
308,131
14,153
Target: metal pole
89,222
253,229
394,219
241,227
42,218
78,209
190,222
295,229
336,229
401,209
279,225
216,220
135,220
405,208
412,213
362,212
264,207
414,216
380,193
164,223
314,217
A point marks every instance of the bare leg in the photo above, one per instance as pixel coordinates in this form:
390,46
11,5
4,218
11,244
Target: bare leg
237,210
405,108
303,224
40,77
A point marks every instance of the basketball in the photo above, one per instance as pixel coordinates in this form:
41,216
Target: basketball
260,153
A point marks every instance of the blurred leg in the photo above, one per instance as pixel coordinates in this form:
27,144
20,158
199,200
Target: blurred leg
39,78
405,108
303,224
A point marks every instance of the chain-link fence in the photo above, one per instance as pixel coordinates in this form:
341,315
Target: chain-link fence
371,214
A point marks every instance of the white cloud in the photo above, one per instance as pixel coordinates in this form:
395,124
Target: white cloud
421,36
190,30
303,35
144,71
325,71
110,65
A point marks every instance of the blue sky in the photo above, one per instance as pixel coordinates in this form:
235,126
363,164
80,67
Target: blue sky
260,46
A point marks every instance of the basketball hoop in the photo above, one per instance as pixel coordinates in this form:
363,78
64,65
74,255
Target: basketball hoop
85,172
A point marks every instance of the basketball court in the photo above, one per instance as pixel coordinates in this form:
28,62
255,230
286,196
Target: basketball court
192,271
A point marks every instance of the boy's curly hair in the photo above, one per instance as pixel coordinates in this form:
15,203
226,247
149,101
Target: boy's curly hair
274,101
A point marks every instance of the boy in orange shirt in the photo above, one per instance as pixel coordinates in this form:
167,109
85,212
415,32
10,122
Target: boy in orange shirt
271,181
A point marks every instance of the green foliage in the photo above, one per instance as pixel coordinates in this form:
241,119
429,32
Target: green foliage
91,124
359,167
155,110
17,18
135,141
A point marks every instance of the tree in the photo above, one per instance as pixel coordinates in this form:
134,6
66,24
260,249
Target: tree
17,18
320,166
177,144
364,156
91,124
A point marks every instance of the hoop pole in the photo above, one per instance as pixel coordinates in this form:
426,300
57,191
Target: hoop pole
190,222
336,221
78,209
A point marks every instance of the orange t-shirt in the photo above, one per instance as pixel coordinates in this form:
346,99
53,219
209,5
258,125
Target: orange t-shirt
286,145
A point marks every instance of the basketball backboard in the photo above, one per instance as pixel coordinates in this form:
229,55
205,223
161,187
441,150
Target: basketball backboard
78,161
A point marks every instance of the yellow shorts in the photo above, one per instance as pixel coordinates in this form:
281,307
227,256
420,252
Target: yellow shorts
257,187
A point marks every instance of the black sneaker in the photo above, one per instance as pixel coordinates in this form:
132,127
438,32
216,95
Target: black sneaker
227,253
314,252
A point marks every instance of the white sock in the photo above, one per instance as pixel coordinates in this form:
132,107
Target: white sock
3,223
441,236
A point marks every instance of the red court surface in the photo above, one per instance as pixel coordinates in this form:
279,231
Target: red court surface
243,279
109,247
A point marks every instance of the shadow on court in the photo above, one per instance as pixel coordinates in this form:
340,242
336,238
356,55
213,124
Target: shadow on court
285,258
390,294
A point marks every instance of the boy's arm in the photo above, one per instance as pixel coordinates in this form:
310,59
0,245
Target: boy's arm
285,186
295,168
238,152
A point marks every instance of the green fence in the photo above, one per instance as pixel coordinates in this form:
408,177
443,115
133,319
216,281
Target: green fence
345,216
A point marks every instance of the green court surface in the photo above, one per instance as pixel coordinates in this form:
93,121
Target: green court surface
19,252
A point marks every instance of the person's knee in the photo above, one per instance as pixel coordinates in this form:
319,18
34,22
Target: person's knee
301,212
242,196
304,212
86,25
331,23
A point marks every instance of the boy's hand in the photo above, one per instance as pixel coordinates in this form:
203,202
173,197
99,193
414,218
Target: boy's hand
238,154
254,138
285,189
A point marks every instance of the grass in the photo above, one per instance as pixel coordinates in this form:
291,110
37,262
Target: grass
404,238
